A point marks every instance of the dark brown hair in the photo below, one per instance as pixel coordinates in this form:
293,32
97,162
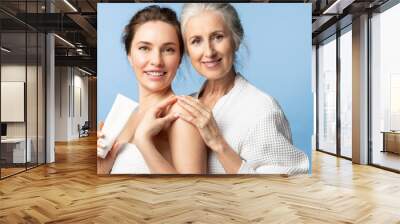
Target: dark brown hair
151,13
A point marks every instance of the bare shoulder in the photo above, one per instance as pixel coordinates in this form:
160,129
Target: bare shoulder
188,151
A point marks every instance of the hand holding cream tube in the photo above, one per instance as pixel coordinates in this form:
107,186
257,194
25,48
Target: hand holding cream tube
116,120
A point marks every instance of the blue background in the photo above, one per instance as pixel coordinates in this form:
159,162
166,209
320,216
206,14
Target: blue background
276,58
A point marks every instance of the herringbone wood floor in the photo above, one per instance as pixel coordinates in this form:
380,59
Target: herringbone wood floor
69,191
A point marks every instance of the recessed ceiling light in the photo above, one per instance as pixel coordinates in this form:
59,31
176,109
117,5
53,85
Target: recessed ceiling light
337,7
84,71
64,40
5,50
70,5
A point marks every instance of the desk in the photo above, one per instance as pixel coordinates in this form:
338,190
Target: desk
391,141
18,149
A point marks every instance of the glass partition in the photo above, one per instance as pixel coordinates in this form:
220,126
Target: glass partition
41,91
22,77
31,100
346,93
385,89
13,105
327,96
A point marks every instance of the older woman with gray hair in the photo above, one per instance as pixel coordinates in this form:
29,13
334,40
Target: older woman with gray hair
244,128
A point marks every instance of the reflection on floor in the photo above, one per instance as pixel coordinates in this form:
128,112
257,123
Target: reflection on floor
8,169
386,159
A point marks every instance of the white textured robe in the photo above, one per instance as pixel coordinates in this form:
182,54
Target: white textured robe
255,126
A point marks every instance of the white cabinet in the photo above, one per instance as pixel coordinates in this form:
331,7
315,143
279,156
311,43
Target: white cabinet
18,149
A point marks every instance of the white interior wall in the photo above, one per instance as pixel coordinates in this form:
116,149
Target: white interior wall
61,104
16,73
72,87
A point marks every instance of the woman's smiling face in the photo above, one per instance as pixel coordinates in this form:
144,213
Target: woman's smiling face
210,45
154,55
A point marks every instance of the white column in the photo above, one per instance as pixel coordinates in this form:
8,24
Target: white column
360,90
50,92
50,100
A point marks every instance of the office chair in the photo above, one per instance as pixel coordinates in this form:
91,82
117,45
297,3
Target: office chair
84,130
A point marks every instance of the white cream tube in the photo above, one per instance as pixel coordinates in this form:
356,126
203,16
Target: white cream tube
116,120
